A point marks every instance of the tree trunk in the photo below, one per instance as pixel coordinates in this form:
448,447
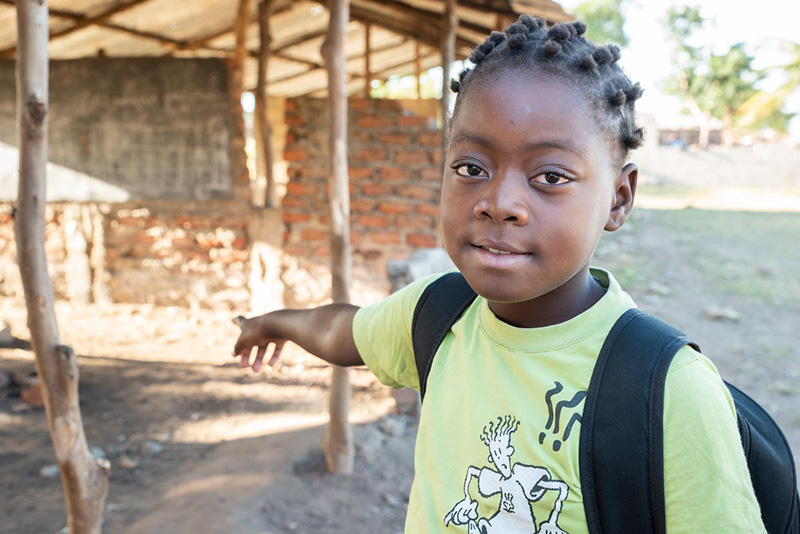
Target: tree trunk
338,442
727,129
85,479
265,157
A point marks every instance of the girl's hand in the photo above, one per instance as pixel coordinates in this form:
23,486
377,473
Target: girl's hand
254,335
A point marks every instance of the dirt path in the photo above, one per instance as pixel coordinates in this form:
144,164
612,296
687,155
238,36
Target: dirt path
198,445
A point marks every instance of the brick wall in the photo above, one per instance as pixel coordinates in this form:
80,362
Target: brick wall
395,158
164,253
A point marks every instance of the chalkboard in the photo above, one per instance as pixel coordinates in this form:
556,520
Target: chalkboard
127,129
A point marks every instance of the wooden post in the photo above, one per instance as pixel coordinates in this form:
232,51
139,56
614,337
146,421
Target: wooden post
85,479
418,68
338,442
367,66
448,52
241,176
265,157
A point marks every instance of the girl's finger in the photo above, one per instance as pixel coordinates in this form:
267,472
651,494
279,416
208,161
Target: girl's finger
244,360
276,353
259,358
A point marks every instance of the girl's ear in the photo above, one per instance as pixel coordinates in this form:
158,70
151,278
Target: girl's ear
622,202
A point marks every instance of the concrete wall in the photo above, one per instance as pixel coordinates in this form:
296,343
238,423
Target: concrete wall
225,254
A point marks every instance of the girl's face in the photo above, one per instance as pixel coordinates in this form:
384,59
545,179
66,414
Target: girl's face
528,189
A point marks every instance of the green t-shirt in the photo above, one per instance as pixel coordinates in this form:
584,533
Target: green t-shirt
501,422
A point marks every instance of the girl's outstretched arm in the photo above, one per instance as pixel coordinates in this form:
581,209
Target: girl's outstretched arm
326,332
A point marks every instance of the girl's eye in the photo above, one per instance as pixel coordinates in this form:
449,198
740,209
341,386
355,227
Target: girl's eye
469,170
550,178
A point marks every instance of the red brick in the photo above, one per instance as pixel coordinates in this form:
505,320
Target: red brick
375,154
290,218
292,249
389,207
395,138
374,121
356,238
429,209
384,238
431,173
290,138
294,154
293,120
360,205
358,173
240,242
406,157
145,239
418,222
421,240
395,173
414,120
416,191
313,234
323,220
374,221
31,393
433,137
296,188
359,103
292,202
389,103
375,190
436,156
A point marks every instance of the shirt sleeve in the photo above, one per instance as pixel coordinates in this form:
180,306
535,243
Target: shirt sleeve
706,480
382,333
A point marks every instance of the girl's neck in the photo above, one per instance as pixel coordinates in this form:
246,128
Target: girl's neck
562,304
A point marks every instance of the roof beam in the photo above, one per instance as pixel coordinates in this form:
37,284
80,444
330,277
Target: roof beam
314,66
81,21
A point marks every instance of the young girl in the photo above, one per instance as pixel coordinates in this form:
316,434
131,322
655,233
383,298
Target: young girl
535,171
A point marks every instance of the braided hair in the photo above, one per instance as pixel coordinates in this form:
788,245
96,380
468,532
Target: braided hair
563,52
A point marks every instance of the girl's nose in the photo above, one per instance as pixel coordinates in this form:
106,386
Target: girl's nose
503,200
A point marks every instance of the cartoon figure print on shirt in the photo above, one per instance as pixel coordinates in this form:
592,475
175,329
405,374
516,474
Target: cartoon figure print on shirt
518,486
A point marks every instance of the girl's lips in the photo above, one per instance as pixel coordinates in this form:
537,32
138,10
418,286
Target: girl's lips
498,258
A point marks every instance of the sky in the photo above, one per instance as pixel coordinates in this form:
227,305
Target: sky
647,57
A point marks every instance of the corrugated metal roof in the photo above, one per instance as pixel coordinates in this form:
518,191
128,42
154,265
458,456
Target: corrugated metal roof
191,28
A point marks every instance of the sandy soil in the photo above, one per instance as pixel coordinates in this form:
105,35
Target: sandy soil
198,445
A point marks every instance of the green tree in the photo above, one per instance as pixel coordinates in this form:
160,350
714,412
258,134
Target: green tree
604,20
764,109
712,85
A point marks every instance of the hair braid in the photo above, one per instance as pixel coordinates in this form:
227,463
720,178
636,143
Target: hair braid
562,50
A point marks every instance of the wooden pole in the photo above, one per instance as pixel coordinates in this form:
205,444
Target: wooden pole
367,66
236,64
265,158
418,68
448,52
338,442
85,480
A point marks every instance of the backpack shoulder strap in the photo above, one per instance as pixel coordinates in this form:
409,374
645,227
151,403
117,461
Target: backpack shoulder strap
621,443
438,308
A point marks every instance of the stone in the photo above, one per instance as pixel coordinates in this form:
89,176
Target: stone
49,471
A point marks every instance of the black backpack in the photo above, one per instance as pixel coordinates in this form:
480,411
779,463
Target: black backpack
621,466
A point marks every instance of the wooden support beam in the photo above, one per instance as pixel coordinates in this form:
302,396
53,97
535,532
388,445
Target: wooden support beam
418,67
338,441
85,480
80,21
239,170
448,51
367,66
265,157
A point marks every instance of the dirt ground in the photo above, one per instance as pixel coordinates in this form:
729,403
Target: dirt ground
198,445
